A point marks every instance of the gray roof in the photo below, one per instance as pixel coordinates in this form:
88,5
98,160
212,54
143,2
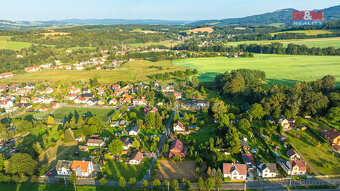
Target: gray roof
270,166
135,128
63,163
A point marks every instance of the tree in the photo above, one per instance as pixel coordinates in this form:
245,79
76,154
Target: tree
42,170
174,184
218,107
103,181
122,182
244,124
145,184
159,122
200,183
156,183
165,148
188,185
34,179
73,180
69,136
218,184
150,120
50,120
334,114
195,82
37,148
256,111
209,183
116,146
204,93
22,164
136,144
132,181
2,162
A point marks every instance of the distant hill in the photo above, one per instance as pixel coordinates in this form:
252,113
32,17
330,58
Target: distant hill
280,16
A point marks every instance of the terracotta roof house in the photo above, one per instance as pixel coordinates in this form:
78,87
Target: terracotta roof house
176,149
235,171
294,167
74,90
178,126
267,170
83,148
292,154
249,160
136,158
332,136
95,142
6,75
82,168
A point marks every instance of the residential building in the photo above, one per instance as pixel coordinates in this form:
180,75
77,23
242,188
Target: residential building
95,142
82,168
333,137
176,149
136,158
235,171
294,167
63,167
292,154
267,170
178,127
134,131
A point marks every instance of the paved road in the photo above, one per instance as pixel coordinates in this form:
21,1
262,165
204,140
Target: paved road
161,142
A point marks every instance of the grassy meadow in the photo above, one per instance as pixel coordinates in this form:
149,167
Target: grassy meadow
313,42
168,43
279,68
131,71
308,32
63,112
5,43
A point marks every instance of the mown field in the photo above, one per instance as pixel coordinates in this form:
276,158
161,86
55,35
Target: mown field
131,71
5,43
314,42
285,69
63,112
309,32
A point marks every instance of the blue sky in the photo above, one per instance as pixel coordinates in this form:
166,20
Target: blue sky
148,9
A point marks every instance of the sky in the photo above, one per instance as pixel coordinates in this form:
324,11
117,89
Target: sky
43,10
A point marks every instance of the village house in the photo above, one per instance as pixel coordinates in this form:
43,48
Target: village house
63,167
235,171
86,90
6,104
113,101
24,100
168,88
267,170
292,154
176,149
6,75
80,100
48,90
127,142
83,148
283,122
294,167
134,131
92,101
72,96
79,139
55,104
136,158
32,68
245,145
101,102
248,159
44,108
137,102
178,127
149,109
333,137
178,95
95,142
74,90
82,168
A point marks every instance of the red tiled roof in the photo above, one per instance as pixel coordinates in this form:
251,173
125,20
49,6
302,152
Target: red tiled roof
300,163
228,168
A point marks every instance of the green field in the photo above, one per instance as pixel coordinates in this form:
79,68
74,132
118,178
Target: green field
5,43
63,112
314,42
317,157
279,68
55,187
131,71
309,32
114,169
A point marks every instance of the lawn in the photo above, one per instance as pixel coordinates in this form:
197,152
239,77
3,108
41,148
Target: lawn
5,43
114,169
285,69
54,187
317,157
131,71
308,32
314,42
64,112
169,170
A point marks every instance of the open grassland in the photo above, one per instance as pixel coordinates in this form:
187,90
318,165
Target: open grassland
309,32
131,71
285,69
204,29
144,31
168,43
114,170
55,33
5,43
320,157
65,112
314,42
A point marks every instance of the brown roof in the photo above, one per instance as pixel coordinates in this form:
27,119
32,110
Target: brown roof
176,145
138,156
290,153
96,141
331,134
248,158
300,163
228,168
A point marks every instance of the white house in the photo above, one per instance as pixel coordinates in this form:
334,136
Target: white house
6,104
74,90
113,102
63,167
267,170
134,131
82,168
136,158
95,142
139,102
178,127
235,171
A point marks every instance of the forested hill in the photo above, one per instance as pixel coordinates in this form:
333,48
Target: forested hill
280,16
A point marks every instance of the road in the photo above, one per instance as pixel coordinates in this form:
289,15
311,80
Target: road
161,142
